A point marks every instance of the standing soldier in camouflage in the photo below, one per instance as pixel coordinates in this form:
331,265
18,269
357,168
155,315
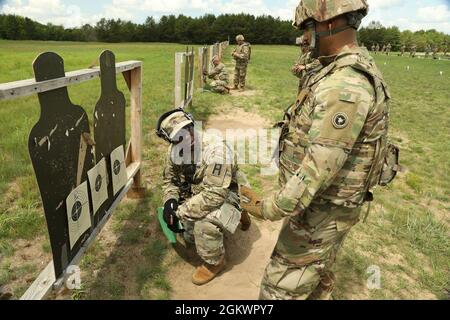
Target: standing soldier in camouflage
219,75
412,53
332,151
427,51
402,50
383,50
200,185
388,49
241,54
435,52
373,47
377,50
305,66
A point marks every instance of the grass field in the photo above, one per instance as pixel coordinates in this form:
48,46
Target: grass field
406,236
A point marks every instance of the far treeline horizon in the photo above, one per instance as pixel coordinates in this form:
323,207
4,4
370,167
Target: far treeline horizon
205,29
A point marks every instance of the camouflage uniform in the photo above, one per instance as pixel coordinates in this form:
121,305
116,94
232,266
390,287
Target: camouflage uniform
208,194
435,52
242,59
402,50
332,149
328,147
388,49
377,49
413,51
427,51
373,48
311,67
221,79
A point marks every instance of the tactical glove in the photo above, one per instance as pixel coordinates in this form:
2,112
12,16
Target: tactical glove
251,202
170,216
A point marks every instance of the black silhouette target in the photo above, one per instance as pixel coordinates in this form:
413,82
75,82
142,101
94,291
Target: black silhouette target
60,156
109,121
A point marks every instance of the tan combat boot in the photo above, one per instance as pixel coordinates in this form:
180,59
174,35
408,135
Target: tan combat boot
207,272
235,88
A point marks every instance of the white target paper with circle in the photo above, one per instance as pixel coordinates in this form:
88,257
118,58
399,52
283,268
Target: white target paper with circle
98,180
78,213
119,170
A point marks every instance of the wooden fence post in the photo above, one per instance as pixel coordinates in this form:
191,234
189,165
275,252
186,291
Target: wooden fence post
137,191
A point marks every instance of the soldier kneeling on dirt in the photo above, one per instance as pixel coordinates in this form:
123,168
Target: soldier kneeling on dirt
220,77
201,189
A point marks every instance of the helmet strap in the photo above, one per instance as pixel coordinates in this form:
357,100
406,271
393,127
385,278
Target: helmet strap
332,32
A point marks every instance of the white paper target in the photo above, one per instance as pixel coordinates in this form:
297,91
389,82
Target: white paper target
78,213
118,170
98,181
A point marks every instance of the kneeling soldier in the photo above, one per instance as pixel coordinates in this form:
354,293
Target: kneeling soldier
200,184
220,77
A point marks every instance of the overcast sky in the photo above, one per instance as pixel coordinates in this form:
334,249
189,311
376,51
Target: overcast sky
406,14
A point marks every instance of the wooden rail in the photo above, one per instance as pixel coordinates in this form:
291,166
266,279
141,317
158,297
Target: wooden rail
29,87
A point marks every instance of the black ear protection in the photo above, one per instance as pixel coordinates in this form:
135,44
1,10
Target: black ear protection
162,133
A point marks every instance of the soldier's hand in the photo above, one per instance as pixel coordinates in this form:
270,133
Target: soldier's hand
251,202
170,215
298,68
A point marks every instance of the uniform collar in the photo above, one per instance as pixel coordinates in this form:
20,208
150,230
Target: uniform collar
345,51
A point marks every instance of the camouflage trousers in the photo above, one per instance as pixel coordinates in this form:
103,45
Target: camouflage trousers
208,233
240,75
301,264
219,86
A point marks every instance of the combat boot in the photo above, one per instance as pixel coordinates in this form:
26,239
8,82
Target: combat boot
241,89
246,222
207,272
235,88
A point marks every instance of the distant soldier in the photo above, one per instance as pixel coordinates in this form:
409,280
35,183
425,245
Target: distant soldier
427,51
445,50
435,52
220,77
388,48
201,189
402,50
305,66
413,51
373,47
377,48
383,50
241,55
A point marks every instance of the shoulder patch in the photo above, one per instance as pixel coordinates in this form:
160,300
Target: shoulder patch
340,120
217,171
348,97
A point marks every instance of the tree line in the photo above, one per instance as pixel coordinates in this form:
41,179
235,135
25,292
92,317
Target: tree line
206,29
180,29
375,34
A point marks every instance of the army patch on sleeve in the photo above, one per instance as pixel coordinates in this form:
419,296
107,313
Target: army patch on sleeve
217,170
340,120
